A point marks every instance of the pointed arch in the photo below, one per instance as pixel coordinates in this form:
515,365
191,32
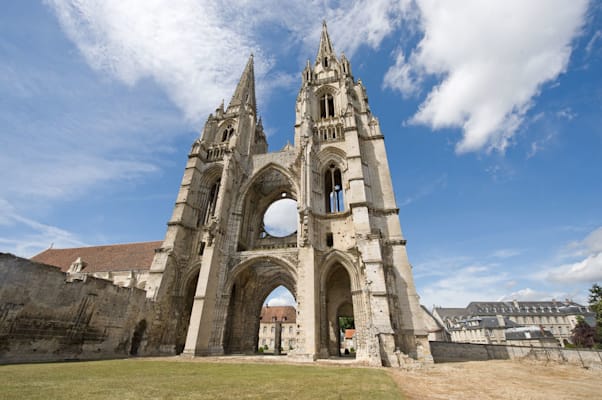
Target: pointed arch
247,286
226,130
290,178
325,97
286,266
208,189
270,183
334,257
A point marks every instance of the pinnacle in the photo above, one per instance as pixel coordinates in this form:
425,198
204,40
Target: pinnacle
325,49
245,90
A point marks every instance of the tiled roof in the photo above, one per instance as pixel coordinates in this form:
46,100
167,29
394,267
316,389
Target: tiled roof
448,312
349,333
280,313
114,257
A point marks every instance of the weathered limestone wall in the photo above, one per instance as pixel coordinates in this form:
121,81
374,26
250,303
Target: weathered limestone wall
44,317
455,352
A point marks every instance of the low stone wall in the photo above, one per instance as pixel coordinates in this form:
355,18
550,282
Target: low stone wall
45,317
454,352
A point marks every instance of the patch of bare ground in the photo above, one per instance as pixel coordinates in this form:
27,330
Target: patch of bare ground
499,379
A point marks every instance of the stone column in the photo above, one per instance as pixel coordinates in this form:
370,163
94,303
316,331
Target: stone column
277,338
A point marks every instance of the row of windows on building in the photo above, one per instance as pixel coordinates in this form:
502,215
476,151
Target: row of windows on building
270,343
526,309
272,329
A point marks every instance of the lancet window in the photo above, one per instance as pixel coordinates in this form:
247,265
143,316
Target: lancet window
227,133
326,106
333,185
209,204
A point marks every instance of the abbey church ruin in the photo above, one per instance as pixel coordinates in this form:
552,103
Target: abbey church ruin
203,292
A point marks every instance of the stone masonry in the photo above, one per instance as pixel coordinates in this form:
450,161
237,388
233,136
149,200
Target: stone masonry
347,257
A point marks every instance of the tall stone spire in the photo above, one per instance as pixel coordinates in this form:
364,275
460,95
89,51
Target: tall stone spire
245,90
325,49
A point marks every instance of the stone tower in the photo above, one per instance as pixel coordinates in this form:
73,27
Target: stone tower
347,257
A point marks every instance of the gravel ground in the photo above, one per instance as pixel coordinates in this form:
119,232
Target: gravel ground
500,380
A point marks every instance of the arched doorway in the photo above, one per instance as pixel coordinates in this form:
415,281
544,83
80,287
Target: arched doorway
251,284
346,327
338,306
277,323
185,311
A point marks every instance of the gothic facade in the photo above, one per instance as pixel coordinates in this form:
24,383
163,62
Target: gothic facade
347,257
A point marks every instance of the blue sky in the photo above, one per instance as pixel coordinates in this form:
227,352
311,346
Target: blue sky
492,114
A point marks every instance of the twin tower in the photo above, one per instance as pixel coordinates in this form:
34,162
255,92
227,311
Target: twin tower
347,257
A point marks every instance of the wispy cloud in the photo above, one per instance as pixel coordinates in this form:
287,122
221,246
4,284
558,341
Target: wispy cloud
506,253
528,294
425,190
593,41
466,283
195,50
539,145
29,237
489,82
585,265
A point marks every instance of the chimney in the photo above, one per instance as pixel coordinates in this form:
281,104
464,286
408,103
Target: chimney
500,320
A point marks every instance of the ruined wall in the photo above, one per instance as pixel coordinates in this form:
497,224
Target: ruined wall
44,317
454,352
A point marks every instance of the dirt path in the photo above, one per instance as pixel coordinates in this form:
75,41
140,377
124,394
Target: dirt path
500,380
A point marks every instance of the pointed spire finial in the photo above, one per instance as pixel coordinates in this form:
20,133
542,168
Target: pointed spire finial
325,49
245,90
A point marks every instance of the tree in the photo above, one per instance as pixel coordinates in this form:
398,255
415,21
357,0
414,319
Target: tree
584,335
595,304
346,323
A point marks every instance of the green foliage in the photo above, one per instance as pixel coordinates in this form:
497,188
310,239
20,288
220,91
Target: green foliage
583,334
346,323
595,304
260,349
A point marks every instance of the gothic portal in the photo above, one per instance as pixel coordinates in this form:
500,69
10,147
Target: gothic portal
346,258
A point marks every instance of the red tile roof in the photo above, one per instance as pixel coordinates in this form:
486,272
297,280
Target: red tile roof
281,313
114,257
349,333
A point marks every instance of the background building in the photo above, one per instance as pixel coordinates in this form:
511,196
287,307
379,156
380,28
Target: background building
126,265
277,317
495,322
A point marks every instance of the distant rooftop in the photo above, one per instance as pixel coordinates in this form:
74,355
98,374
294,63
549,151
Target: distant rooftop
278,313
114,257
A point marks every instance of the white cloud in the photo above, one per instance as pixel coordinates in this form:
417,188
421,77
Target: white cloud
465,283
187,46
527,294
281,218
586,270
196,49
593,241
586,266
29,237
280,297
492,58
282,301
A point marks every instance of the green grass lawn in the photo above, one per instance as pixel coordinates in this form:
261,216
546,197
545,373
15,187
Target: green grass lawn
146,379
